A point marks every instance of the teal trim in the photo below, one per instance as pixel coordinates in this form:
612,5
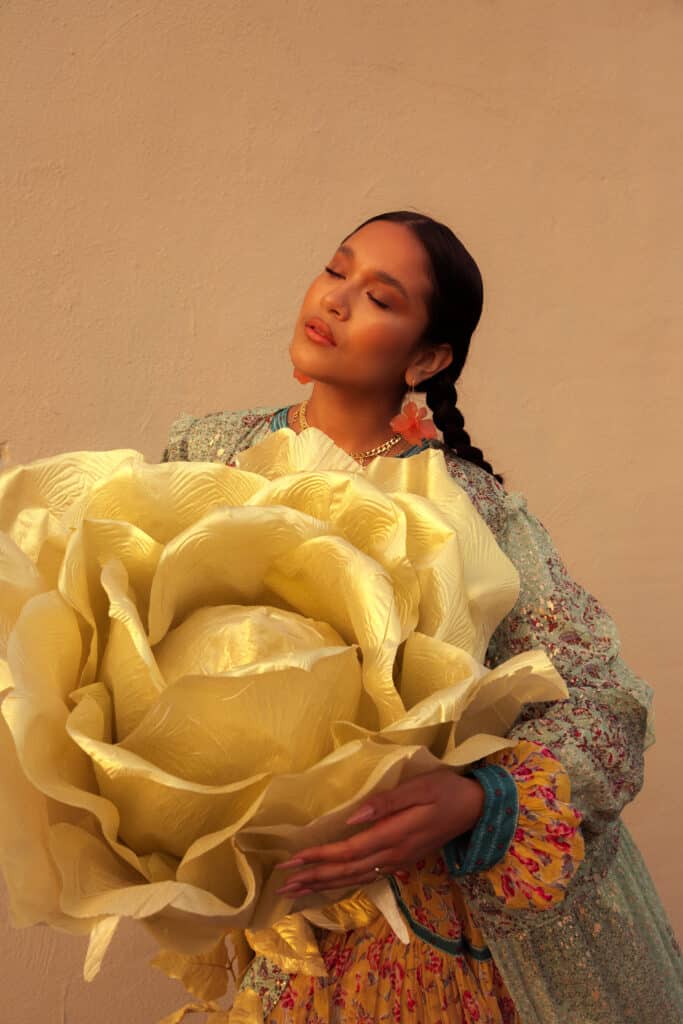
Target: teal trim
455,947
489,841
412,451
279,420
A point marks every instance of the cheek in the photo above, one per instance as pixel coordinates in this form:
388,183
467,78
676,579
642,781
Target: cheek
380,338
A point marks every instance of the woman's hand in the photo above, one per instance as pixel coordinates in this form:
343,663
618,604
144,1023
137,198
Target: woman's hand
408,822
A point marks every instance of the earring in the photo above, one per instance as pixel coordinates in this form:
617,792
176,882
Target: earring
413,422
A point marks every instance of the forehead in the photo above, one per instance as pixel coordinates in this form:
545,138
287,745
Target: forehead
392,248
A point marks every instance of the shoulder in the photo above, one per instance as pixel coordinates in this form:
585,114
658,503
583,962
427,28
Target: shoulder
217,436
489,497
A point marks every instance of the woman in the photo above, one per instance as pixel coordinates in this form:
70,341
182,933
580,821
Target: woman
526,899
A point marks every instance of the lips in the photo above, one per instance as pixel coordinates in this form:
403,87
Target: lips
316,326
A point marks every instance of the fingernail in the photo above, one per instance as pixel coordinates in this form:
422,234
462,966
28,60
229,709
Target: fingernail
363,814
293,863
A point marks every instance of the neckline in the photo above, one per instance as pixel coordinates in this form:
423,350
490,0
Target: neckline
281,416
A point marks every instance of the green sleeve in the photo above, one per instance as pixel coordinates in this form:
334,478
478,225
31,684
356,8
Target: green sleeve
599,734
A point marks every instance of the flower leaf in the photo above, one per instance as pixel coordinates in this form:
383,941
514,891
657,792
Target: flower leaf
204,975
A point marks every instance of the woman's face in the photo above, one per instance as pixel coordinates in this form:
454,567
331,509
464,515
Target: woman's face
374,322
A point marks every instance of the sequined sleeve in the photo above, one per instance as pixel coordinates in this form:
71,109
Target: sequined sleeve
176,445
216,437
600,732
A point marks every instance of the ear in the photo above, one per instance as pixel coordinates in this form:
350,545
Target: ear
427,362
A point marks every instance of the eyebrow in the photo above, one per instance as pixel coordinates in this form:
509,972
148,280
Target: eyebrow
380,274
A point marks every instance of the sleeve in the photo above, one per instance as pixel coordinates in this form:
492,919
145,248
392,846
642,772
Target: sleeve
599,734
176,449
527,843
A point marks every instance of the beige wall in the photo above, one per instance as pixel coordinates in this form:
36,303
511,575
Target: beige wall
173,174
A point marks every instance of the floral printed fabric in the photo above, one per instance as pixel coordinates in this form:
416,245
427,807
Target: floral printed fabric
547,846
373,977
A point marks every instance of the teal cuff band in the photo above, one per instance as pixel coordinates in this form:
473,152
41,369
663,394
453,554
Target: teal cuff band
490,839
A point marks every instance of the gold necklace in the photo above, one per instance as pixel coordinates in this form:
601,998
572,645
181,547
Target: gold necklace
358,456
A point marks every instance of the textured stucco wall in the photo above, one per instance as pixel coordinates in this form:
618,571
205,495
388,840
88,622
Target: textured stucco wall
174,174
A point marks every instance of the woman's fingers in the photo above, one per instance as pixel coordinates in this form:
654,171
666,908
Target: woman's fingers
385,834
338,875
413,792
415,818
390,843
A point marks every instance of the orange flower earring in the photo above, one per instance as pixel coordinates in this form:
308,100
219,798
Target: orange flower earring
412,422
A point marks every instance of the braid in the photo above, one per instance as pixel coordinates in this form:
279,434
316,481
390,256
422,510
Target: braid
454,307
442,399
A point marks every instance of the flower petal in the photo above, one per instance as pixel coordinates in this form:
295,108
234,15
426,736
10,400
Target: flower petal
333,580
19,581
283,452
92,544
216,640
128,665
221,729
163,500
223,559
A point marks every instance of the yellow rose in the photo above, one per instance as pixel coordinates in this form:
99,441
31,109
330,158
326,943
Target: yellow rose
207,668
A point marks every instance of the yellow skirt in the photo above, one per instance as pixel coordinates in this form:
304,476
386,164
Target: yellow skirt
373,977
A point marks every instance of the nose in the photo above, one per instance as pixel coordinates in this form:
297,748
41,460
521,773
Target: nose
334,301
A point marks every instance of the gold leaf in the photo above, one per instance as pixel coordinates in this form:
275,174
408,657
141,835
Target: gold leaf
204,975
247,1009
240,954
291,944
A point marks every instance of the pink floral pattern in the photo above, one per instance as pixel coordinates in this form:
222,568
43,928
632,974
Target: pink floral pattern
373,977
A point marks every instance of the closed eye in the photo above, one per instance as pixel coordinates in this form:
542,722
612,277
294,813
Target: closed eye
382,305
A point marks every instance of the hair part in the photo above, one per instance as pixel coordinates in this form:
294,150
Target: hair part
454,309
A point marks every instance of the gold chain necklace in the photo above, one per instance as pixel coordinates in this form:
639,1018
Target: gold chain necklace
358,456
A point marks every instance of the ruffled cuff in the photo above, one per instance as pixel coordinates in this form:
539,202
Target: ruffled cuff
545,846
489,840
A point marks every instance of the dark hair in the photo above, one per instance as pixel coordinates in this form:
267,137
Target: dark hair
454,309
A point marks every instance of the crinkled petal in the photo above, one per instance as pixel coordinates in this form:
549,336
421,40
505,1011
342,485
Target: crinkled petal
502,692
163,500
19,581
429,666
216,730
331,579
218,639
128,666
284,452
33,882
223,559
159,812
94,543
96,883
55,484
45,650
362,515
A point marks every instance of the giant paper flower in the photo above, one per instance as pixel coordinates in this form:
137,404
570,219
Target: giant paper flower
207,668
